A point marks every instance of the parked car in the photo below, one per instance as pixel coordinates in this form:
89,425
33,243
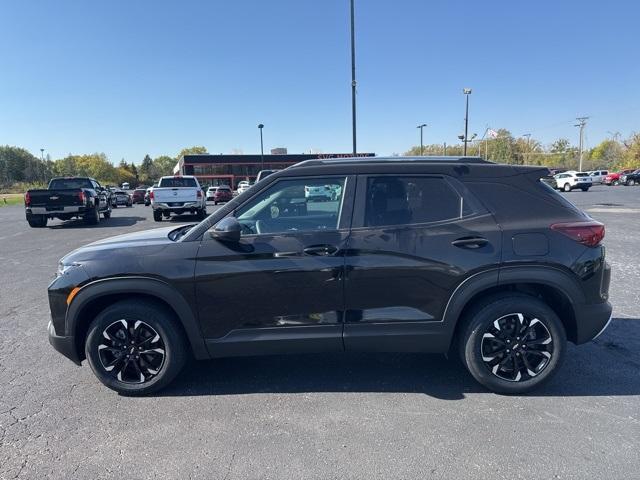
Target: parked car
614,177
321,193
568,181
223,193
66,198
243,186
210,191
629,179
178,194
122,198
550,180
138,195
455,256
598,176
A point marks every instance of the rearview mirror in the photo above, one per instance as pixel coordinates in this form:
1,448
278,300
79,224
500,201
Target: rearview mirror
226,230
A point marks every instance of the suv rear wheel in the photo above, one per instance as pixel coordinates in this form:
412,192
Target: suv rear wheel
513,343
567,187
135,348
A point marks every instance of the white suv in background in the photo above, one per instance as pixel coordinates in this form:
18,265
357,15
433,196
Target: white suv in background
567,181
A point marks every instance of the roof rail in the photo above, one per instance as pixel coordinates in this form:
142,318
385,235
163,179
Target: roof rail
424,159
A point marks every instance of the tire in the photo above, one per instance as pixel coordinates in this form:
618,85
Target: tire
115,205
93,218
157,215
479,336
584,189
631,183
37,221
135,368
202,213
107,214
215,203
566,187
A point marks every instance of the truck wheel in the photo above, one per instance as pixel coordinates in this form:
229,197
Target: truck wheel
135,347
584,189
202,213
107,214
93,218
567,187
37,221
513,343
157,215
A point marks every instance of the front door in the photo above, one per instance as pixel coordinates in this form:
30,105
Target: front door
414,239
280,288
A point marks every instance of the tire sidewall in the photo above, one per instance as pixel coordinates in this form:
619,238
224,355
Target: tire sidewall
161,322
472,340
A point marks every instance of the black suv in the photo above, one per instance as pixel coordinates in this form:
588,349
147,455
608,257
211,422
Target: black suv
448,255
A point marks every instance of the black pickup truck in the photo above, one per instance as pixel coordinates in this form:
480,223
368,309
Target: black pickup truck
65,198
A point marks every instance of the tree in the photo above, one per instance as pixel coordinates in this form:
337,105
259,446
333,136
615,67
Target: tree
192,151
148,172
164,165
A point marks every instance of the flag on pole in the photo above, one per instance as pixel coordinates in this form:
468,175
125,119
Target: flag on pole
492,133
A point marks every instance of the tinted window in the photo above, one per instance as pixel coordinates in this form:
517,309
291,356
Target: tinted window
177,182
294,205
582,174
64,183
403,200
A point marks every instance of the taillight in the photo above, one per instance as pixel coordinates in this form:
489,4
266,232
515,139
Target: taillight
27,199
199,193
151,195
81,197
589,233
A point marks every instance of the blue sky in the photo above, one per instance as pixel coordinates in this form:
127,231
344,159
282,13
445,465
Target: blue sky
134,77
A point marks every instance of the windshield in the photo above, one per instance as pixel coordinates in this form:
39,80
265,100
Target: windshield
177,182
69,183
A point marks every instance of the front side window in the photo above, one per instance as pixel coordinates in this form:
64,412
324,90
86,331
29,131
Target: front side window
294,205
408,200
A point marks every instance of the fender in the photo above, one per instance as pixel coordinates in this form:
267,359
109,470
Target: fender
548,275
145,285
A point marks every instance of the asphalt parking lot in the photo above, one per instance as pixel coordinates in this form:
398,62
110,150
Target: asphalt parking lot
315,416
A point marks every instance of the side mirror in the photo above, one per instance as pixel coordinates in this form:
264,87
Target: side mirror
226,230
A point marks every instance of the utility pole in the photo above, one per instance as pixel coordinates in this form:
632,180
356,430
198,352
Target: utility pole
467,92
421,143
353,78
582,122
260,127
445,149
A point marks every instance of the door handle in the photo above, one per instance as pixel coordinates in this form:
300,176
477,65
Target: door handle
321,250
470,242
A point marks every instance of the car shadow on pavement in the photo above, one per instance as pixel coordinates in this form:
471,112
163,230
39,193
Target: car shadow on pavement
104,223
607,366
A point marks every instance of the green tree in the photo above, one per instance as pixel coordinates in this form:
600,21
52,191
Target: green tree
164,165
192,151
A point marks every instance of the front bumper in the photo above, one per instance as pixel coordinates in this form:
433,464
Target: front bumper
65,345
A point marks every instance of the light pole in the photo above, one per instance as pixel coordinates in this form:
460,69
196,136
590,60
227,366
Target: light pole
582,122
353,78
467,92
421,127
528,136
260,127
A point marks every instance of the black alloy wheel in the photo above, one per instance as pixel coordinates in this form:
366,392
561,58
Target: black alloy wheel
512,342
132,351
516,347
135,347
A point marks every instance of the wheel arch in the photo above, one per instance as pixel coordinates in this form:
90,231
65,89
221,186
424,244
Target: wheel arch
96,296
555,287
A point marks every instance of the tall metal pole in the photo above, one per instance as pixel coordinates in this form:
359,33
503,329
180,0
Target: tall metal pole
466,120
260,127
445,149
353,78
582,122
421,142
528,135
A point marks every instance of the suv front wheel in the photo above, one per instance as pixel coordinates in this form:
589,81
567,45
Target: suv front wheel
135,348
512,343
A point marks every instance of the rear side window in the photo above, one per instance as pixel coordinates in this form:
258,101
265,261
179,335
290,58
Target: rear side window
403,200
177,182
582,174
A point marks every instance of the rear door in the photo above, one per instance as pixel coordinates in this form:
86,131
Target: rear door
415,238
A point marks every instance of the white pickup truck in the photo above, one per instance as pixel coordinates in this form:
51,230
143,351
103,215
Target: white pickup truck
177,195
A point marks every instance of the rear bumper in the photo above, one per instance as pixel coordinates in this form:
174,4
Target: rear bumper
64,345
63,210
592,320
170,208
